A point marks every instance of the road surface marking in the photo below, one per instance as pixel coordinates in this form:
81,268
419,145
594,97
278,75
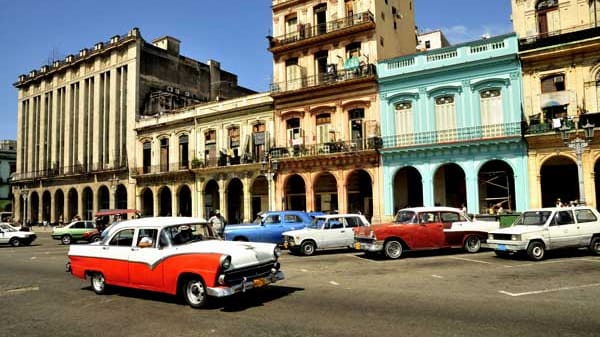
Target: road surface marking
471,260
535,292
334,283
437,276
20,290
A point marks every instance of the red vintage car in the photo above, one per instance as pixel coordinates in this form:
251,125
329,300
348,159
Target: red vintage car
421,228
174,255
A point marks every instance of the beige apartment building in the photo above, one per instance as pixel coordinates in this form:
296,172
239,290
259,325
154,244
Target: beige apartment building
207,157
325,99
77,118
559,49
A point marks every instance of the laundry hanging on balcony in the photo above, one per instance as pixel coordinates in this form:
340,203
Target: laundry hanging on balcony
351,63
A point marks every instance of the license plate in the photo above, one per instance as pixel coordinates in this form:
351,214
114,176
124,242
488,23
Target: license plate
501,247
357,245
259,282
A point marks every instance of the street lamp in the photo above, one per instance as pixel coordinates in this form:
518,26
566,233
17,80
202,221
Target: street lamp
578,144
25,196
270,167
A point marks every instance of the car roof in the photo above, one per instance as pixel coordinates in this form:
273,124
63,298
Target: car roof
556,208
327,216
158,222
430,209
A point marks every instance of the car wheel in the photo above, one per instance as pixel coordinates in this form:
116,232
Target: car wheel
393,249
65,239
307,248
536,250
501,253
98,283
595,245
194,292
15,242
472,244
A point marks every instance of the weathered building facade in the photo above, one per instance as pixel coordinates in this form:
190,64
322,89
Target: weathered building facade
559,42
76,120
325,99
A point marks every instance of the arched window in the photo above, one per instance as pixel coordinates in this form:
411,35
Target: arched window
491,109
548,19
403,113
183,151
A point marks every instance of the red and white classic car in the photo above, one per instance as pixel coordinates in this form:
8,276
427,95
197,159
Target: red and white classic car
421,228
174,255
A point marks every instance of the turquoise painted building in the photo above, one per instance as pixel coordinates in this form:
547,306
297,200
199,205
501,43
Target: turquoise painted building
451,128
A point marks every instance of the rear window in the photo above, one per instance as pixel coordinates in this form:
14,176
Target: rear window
585,215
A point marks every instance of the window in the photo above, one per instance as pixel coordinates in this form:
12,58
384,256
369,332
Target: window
90,225
490,105
427,44
147,157
404,122
234,141
548,19
323,128
291,218
146,237
79,225
564,218
585,215
210,147
594,12
164,155
294,133
183,151
553,83
122,238
356,125
291,25
293,74
352,221
445,117
272,219
259,140
449,217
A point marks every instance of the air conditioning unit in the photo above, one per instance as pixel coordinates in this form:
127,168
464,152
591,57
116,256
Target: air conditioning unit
559,79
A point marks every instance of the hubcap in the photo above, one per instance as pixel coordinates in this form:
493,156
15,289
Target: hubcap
99,282
394,249
195,292
537,251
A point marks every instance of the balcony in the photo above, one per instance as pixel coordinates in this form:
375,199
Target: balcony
453,136
307,33
535,127
326,149
558,37
71,170
325,79
214,162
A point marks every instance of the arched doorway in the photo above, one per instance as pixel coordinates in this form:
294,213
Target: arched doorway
147,202
325,190
59,206
558,179
72,204
408,188
295,194
88,204
496,186
360,193
46,206
103,198
211,197
260,196
164,202
121,197
449,186
34,201
235,205
185,201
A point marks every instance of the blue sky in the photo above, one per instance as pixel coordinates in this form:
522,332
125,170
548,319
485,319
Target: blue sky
32,32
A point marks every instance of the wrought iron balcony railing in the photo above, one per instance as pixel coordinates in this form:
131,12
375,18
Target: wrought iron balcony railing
193,164
306,31
71,170
475,133
561,36
325,149
325,79
536,127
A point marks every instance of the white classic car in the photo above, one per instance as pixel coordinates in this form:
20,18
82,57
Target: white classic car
174,255
325,232
542,229
15,237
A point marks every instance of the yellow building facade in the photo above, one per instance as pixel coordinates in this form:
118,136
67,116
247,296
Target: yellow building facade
559,42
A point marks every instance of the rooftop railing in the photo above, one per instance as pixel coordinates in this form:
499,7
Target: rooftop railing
560,36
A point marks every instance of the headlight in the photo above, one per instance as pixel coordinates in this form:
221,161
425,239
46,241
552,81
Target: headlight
225,262
277,252
515,237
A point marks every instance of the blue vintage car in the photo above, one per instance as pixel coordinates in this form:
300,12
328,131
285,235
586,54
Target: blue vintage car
268,226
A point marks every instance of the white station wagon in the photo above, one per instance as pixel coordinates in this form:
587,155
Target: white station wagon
542,229
325,232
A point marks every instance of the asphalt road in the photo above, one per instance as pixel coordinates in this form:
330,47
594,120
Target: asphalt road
344,293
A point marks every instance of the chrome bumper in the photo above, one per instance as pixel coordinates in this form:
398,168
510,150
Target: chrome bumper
375,246
245,285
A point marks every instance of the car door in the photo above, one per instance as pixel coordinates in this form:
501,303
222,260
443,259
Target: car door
145,271
587,223
430,232
3,235
115,263
562,229
77,229
273,227
347,236
333,233
453,237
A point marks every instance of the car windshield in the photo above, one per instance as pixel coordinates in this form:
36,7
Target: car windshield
533,218
259,220
317,223
405,217
183,234
8,228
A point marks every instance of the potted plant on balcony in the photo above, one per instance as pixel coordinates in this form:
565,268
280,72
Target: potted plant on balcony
196,163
